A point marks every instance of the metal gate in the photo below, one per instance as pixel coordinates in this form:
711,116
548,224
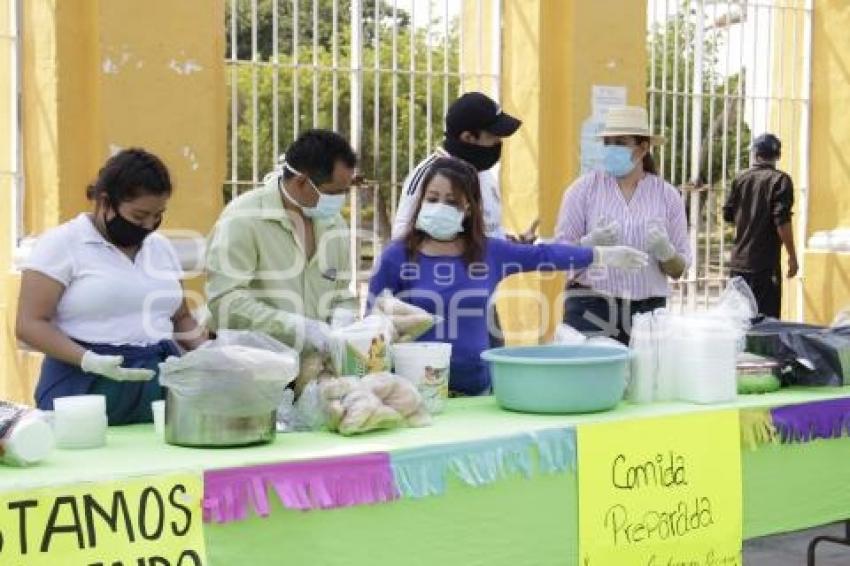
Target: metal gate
722,72
380,72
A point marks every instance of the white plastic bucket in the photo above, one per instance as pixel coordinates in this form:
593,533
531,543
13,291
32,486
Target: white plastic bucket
426,365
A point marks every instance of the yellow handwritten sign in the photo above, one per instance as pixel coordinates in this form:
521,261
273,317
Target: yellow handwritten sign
150,521
661,492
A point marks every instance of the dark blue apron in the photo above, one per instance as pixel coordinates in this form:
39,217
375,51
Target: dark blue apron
126,402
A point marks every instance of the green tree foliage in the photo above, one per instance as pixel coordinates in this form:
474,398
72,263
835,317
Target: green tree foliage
672,46
298,77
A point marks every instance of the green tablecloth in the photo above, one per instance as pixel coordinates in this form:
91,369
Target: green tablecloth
511,522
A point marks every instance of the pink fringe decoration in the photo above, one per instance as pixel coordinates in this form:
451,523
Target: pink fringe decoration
311,484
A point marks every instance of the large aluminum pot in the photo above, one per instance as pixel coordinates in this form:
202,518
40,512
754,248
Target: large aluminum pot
185,425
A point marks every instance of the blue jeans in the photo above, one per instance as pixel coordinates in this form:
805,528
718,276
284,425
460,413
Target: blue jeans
126,402
595,314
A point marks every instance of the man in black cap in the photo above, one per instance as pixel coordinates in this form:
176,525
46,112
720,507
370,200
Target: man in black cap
475,126
760,204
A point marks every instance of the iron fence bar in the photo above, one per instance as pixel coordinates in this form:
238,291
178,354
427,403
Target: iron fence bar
411,109
394,128
296,86
275,86
234,107
335,71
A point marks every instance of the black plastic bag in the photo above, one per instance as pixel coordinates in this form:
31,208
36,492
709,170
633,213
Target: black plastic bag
810,355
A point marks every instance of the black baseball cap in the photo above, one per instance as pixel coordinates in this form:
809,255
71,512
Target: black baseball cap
475,111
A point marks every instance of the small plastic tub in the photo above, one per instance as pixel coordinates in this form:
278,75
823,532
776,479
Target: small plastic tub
559,379
426,366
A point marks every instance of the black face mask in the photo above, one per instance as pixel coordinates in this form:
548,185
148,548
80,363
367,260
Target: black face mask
126,234
479,156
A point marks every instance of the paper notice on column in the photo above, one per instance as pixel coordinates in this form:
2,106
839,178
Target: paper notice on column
601,99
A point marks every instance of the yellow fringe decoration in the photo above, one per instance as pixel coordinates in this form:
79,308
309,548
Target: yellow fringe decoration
757,428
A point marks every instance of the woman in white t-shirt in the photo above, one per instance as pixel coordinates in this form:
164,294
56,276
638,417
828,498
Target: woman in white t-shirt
101,295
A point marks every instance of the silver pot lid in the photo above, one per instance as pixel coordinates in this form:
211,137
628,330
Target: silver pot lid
753,362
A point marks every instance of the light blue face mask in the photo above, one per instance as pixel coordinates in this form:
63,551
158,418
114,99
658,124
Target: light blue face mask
440,221
617,160
325,207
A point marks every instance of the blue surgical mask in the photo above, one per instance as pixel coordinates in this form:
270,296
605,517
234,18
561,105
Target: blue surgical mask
440,221
617,160
325,207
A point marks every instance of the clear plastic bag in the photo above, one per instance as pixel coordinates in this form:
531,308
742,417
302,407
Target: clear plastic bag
408,322
736,303
566,335
239,373
287,414
350,405
309,414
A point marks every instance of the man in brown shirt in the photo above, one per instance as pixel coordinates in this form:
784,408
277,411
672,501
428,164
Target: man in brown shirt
760,204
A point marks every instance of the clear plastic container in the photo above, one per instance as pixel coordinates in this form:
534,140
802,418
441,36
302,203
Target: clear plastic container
705,350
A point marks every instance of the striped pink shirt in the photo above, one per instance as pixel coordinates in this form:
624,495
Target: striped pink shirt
595,199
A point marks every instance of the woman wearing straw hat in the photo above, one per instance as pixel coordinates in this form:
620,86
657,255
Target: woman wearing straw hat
624,203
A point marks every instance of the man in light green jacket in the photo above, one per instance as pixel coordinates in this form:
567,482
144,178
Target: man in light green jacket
278,257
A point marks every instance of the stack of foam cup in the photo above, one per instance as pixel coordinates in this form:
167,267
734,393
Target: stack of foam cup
80,421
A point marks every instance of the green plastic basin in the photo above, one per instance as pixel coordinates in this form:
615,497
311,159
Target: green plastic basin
558,379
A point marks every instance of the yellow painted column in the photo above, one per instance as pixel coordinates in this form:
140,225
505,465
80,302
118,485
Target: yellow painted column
553,52
827,277
12,363
99,76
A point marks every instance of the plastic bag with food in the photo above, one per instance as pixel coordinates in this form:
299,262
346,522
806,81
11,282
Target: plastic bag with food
408,321
379,401
239,373
401,395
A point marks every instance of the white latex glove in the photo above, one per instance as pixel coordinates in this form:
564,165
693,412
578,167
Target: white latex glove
622,257
317,335
110,367
342,317
658,243
606,234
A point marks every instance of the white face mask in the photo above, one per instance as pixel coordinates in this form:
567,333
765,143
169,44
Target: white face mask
440,221
326,206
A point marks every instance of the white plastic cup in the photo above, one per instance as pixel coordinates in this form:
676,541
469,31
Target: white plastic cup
158,410
425,365
80,421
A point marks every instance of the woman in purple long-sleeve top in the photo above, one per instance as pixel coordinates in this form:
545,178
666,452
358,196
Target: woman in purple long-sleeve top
446,266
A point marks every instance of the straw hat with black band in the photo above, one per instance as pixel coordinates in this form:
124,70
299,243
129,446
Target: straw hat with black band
628,121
